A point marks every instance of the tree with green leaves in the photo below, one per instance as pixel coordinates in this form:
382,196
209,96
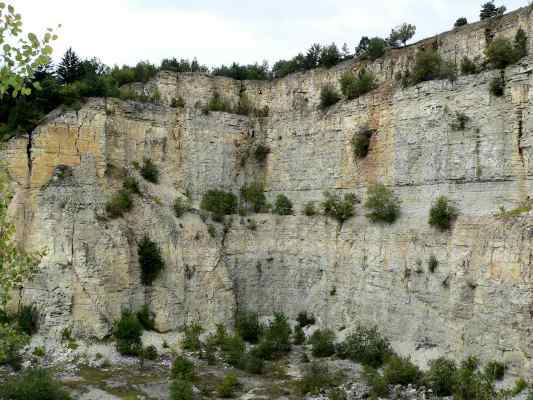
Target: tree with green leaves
489,10
20,54
401,34
70,68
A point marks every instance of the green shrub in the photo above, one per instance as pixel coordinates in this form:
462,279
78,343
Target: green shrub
469,67
442,214
146,318
341,210
309,209
316,378
365,346
361,142
128,331
495,371
11,343
353,86
304,319
177,102
33,384
441,376
298,337
39,351
28,319
382,204
501,53
182,369
401,371
471,363
519,386
233,349
150,353
244,106
251,363
520,44
322,342
472,385
119,204
433,263
376,48
429,65
282,206
181,390
149,171
261,153
219,203
376,382
460,22
248,326
276,339
131,185
227,387
217,103
150,260
254,196
180,207
328,96
192,341
497,86
460,121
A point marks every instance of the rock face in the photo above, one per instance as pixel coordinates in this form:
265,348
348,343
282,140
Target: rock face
479,300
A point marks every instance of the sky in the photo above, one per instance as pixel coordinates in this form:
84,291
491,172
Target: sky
222,31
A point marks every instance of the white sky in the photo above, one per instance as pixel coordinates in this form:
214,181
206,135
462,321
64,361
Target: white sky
222,31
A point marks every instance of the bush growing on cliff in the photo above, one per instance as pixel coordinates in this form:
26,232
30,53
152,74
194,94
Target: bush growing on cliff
317,377
341,210
146,318
469,67
261,153
305,319
323,343
441,376
366,346
131,185
282,206
459,121
28,319
501,53
429,65
191,341
382,204
442,214
219,203
33,384
497,86
276,339
127,332
254,196
309,209
149,171
218,103
401,371
11,343
181,390
228,385
180,207
150,260
520,44
119,204
460,22
248,326
328,96
494,370
177,102
353,86
182,369
361,142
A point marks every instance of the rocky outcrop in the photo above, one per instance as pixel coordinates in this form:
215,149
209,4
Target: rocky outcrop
479,300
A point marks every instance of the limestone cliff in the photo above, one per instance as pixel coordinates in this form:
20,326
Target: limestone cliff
478,301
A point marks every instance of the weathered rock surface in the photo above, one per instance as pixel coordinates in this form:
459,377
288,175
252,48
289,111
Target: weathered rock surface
478,301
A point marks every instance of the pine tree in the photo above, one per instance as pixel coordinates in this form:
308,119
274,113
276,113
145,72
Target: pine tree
69,69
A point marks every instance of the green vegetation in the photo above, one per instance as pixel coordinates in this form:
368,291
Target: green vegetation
298,337
441,376
182,369
149,171
361,142
497,86
341,210
401,34
328,96
460,121
489,10
376,382
219,203
469,67
460,22
150,353
494,370
150,260
353,86
261,153
520,43
282,206
371,49
218,103
34,384
366,346
323,343
131,185
192,341
316,378
433,263
181,390
254,196
180,207
177,102
227,387
501,53
519,386
28,319
442,214
119,204
304,319
248,326
401,371
309,209
127,332
276,339
244,72
146,318
382,204
429,66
